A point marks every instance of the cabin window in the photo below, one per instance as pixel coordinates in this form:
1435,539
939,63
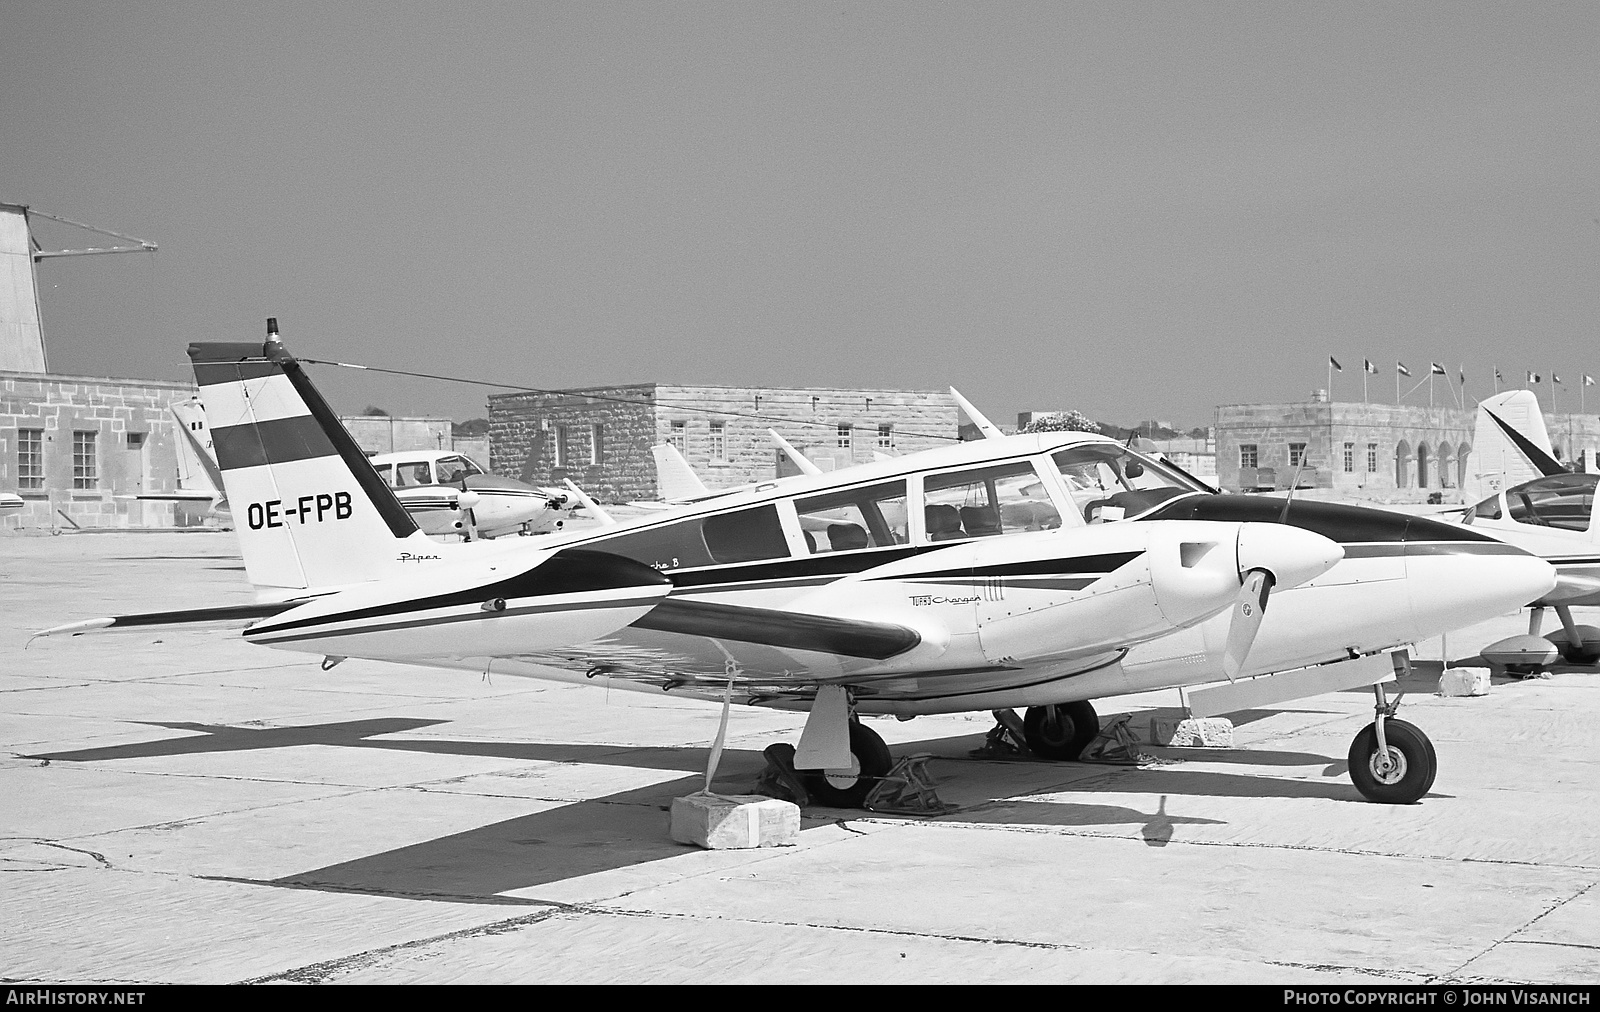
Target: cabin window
749,535
412,473
873,516
1489,509
386,472
982,502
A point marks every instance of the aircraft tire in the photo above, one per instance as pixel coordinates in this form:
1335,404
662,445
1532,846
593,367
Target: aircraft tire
1416,763
841,790
1063,735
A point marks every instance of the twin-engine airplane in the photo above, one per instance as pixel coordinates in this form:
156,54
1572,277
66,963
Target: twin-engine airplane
1531,500
449,493
919,596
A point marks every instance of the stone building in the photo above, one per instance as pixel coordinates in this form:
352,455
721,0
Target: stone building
1380,452
600,437
79,449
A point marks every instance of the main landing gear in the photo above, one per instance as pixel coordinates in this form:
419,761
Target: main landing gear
848,787
1391,761
1060,731
839,760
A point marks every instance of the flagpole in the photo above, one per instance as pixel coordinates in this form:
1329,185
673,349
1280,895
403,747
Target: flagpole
1496,379
1363,381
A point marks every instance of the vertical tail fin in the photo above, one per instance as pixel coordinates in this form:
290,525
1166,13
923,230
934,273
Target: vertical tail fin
309,509
675,479
1509,446
197,468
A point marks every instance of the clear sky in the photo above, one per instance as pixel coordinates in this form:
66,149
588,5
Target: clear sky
1136,210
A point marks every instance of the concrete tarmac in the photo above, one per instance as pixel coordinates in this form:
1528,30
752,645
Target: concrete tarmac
180,806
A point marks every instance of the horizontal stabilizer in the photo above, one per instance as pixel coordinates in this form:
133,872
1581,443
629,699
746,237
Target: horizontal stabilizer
189,616
791,630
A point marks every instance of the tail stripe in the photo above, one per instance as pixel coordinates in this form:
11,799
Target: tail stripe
276,442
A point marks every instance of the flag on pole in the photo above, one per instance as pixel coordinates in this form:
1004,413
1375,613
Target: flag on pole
1533,377
1335,363
1369,367
1437,370
1462,372
1497,377
1555,379
1400,367
1588,380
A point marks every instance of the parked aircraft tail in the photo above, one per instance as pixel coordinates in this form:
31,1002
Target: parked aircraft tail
675,480
1509,446
309,509
197,468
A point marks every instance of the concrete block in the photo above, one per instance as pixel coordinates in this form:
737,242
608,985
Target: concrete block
1464,682
733,822
1206,732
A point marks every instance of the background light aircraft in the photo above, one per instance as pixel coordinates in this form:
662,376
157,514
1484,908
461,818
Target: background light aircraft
199,481
449,493
11,503
926,607
1531,500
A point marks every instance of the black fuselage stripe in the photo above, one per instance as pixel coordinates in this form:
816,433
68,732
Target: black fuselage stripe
268,635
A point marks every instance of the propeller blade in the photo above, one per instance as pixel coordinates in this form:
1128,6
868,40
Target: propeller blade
1248,609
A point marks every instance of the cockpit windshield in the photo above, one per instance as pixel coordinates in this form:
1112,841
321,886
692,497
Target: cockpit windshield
452,469
1556,500
1110,482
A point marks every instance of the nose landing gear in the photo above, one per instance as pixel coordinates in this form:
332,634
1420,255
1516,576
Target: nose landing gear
1391,761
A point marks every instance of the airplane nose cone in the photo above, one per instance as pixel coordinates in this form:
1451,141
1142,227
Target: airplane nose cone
1291,554
1458,585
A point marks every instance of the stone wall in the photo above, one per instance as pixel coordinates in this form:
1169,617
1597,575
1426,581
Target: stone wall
113,409
524,427
809,418
384,434
522,430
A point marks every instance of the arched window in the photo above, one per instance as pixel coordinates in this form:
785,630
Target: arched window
1463,455
1446,479
1402,465
1422,465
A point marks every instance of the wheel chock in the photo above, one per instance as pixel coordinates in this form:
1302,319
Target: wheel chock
907,789
1006,740
779,780
1114,745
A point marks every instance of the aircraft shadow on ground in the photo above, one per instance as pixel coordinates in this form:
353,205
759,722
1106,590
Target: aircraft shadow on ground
631,827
